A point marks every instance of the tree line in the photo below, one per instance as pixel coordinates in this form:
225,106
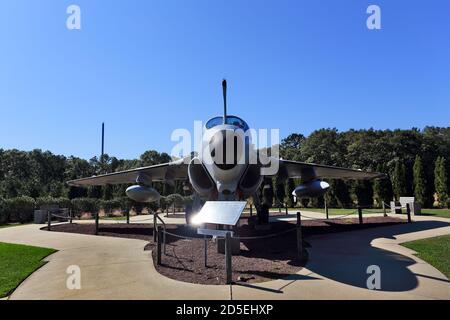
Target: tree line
415,161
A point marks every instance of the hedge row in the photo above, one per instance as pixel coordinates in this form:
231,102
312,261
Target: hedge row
21,209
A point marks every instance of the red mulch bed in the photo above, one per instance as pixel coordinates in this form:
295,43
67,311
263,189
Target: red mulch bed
260,260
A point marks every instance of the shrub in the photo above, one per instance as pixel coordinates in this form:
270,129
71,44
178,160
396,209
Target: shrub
188,200
175,199
61,202
125,203
80,205
110,205
20,209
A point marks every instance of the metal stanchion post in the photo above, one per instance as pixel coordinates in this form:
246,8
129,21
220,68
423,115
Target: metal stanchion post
360,215
96,223
158,247
206,251
155,226
408,212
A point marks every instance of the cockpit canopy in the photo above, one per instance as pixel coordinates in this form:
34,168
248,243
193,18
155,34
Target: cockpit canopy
232,120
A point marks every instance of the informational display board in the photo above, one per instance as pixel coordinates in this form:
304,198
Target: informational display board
214,233
220,212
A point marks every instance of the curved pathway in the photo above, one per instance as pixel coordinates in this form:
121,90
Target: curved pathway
116,268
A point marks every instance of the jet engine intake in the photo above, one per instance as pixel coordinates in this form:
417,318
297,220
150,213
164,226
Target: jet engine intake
251,180
311,189
199,178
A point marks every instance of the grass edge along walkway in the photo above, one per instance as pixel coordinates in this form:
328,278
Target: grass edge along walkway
435,251
18,262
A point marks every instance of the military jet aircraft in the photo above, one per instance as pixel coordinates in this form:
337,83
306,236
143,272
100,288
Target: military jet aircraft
228,167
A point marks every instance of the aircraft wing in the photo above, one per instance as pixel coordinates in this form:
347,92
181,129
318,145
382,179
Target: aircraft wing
170,171
311,171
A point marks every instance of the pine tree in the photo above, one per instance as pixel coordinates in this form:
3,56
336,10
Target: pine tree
290,187
399,180
419,181
440,181
382,187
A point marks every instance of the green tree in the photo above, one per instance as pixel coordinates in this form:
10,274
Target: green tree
363,191
419,181
440,181
280,193
399,180
382,187
290,187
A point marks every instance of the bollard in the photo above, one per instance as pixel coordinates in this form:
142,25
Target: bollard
287,210
158,246
155,226
49,221
384,209
251,210
408,212
71,216
228,257
326,209
96,223
128,217
299,236
206,251
360,215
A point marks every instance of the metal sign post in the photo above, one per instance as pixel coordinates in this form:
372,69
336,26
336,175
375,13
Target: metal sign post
228,257
96,223
299,236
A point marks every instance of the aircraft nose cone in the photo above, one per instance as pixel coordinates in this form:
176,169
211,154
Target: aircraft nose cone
224,149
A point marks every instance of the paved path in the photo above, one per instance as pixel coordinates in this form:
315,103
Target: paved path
114,268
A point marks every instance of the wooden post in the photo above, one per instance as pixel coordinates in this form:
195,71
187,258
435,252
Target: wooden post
96,223
299,236
158,247
251,210
155,226
228,257
408,212
49,220
206,251
360,215
326,208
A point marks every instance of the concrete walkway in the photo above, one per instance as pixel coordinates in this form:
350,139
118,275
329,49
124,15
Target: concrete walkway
114,268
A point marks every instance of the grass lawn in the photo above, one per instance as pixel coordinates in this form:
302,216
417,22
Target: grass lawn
17,262
435,251
339,211
444,213
114,218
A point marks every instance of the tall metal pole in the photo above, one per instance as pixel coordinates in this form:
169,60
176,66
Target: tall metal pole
103,141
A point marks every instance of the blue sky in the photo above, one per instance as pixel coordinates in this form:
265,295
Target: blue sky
148,67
